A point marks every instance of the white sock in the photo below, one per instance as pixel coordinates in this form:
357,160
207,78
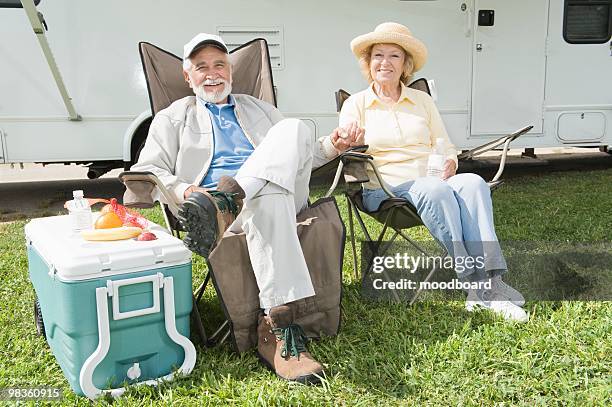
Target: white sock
251,185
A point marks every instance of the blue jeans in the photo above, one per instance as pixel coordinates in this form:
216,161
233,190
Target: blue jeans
459,214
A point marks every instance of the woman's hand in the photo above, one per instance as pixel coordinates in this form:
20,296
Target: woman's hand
449,169
355,133
348,136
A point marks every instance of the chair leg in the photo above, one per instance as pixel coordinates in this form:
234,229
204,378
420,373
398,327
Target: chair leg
195,312
166,219
420,289
200,291
380,252
364,229
413,243
224,329
199,326
362,224
375,247
431,272
353,237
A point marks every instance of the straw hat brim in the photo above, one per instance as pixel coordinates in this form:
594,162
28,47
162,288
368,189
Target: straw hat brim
411,45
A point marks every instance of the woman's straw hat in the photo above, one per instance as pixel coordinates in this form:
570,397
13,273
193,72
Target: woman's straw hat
392,33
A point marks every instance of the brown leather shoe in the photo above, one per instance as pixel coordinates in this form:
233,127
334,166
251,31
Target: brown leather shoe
207,215
281,346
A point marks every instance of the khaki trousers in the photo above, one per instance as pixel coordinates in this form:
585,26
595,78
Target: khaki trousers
284,159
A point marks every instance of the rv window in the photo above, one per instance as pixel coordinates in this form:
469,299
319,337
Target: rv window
587,21
14,3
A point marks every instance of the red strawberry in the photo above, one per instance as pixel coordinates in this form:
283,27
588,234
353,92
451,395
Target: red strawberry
145,236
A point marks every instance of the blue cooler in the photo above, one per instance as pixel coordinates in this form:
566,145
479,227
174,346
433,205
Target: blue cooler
114,312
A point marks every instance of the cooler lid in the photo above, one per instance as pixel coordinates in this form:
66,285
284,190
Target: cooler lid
74,258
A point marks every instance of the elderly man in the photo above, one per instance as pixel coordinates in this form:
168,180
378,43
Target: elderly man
233,161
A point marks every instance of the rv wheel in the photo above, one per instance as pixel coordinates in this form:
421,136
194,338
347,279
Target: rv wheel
38,320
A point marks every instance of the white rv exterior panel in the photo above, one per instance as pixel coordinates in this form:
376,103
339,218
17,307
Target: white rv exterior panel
60,140
589,126
525,74
509,67
578,82
578,76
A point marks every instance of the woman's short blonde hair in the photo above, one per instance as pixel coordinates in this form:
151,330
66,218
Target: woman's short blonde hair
364,64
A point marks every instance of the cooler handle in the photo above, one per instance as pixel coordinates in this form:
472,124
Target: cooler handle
86,374
113,290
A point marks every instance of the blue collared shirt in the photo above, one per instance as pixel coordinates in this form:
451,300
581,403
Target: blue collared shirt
231,146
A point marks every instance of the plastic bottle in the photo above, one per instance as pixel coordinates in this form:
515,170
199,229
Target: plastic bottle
435,162
80,212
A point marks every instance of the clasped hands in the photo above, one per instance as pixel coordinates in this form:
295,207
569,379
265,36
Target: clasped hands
351,135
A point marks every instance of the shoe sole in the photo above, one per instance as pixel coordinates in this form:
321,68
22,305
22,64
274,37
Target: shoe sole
510,296
479,307
198,216
306,380
518,303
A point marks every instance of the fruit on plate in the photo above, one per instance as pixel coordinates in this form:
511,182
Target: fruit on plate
145,236
106,209
131,223
120,233
108,220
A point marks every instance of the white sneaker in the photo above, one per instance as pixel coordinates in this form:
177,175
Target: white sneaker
493,301
498,286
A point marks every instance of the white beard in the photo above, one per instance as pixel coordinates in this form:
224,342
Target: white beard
213,97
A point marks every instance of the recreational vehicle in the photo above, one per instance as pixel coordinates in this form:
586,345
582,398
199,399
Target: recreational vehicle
72,88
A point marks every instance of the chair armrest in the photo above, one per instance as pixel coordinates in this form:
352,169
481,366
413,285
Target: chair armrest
351,164
127,177
493,144
493,185
354,164
356,152
505,140
352,157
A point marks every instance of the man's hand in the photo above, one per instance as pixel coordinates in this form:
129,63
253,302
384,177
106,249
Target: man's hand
348,136
449,169
191,189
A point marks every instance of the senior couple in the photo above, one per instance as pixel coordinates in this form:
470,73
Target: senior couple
234,162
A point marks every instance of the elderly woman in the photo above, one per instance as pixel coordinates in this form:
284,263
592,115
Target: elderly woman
401,127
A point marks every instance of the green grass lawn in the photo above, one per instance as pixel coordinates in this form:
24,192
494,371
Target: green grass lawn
434,353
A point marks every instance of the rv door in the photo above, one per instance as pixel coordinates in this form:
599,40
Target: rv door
509,61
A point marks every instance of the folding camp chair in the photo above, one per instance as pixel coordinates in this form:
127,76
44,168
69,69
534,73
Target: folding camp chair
229,264
395,213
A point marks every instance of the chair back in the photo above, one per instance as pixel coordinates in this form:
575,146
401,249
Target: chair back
420,84
252,73
341,96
